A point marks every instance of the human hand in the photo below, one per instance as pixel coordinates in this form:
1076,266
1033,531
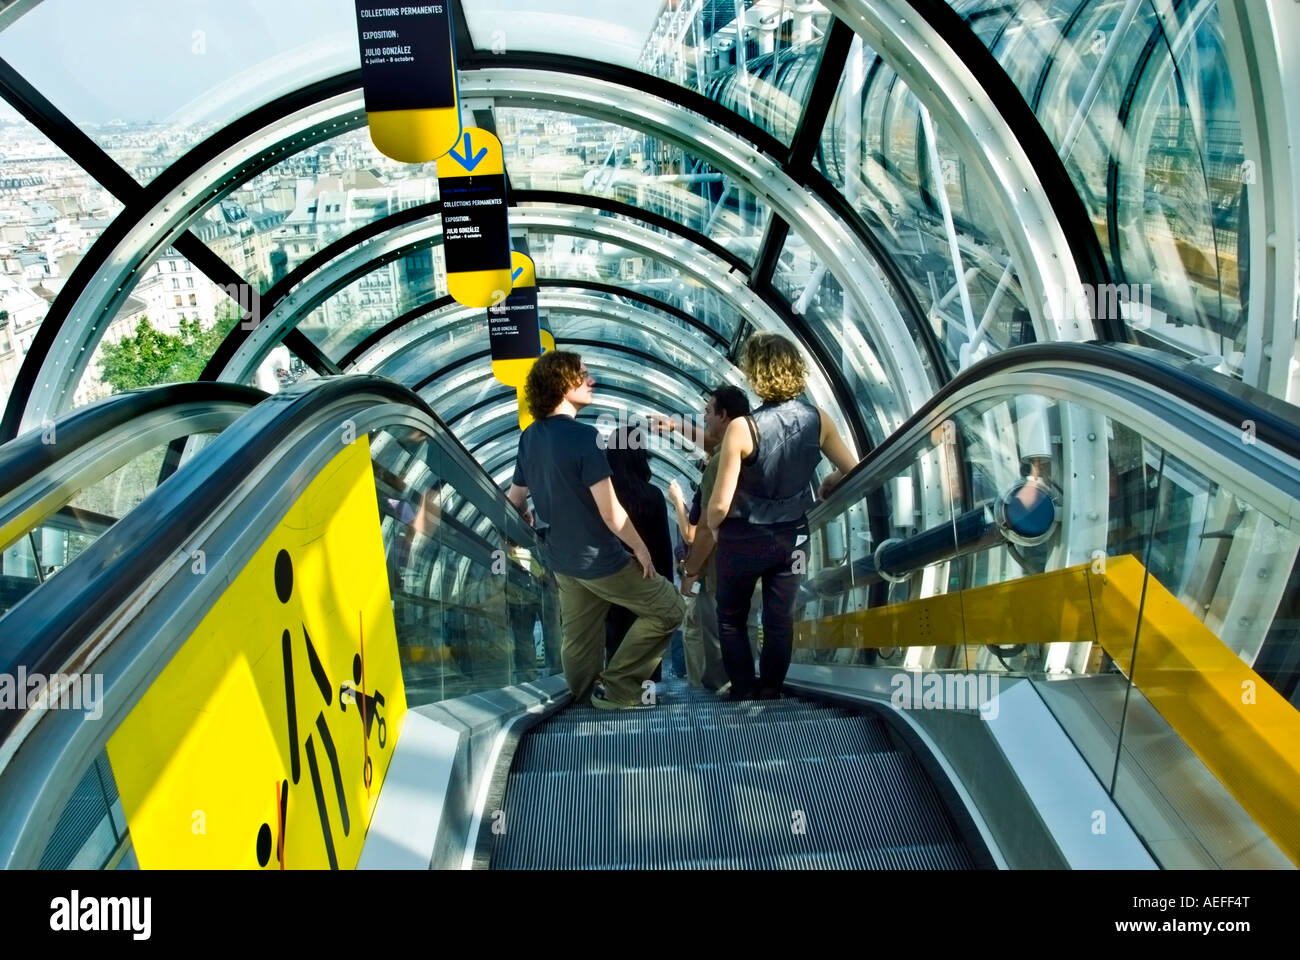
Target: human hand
688,584
660,424
675,492
647,564
830,483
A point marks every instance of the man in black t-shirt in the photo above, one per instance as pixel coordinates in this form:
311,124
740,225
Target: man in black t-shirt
562,465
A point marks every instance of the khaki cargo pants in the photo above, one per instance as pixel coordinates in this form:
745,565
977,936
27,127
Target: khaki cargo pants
584,604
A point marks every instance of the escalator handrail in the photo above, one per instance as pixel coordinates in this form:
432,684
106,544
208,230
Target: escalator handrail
1219,397
28,455
48,631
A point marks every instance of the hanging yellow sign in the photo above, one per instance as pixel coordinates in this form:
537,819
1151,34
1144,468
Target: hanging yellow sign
514,334
475,222
266,739
408,71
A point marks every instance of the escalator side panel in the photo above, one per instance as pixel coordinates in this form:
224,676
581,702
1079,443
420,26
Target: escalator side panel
277,718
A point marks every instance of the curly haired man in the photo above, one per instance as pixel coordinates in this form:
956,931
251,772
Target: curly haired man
594,550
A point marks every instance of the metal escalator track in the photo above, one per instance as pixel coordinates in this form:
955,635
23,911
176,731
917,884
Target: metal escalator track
703,783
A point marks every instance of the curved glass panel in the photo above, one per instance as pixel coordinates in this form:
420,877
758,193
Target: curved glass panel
51,211
570,319
374,298
549,150
756,57
875,150
1140,104
669,382
439,351
686,355
551,292
817,296
165,331
486,393
283,216
565,257
148,81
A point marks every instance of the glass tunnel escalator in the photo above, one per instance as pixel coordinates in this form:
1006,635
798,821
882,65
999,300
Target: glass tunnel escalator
1020,611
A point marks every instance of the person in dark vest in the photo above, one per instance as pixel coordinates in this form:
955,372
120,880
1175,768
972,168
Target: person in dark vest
758,510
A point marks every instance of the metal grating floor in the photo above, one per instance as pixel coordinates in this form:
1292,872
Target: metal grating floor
699,783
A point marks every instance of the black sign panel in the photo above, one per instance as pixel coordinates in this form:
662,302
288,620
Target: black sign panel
405,55
512,326
475,228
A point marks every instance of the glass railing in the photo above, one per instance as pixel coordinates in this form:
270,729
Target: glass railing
65,484
1143,580
472,609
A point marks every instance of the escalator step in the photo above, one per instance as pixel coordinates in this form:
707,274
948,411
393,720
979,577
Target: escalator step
862,809
934,856
662,716
689,745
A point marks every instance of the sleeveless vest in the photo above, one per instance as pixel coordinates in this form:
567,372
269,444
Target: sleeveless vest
775,484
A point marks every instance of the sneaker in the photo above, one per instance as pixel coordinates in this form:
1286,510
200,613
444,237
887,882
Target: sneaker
724,690
600,702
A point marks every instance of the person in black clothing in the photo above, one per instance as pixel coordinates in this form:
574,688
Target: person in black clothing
645,505
758,510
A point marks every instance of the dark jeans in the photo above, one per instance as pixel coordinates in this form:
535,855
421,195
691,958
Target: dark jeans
746,554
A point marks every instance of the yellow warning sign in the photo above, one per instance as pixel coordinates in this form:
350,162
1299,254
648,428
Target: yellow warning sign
266,739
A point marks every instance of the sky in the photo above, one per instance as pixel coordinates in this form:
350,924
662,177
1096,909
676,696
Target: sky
165,60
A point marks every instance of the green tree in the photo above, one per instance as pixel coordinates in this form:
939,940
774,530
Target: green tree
150,356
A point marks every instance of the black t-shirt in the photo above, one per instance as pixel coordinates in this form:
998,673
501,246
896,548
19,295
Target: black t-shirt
559,459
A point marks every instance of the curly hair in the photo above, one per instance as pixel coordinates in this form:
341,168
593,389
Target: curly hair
553,375
774,367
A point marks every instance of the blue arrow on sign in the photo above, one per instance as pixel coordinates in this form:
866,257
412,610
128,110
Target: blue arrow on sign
465,160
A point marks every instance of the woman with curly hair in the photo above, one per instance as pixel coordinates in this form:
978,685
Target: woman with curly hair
759,506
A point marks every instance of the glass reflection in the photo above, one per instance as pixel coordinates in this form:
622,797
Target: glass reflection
756,58
1140,606
461,627
548,150
817,296
1139,101
874,149
566,257
382,294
